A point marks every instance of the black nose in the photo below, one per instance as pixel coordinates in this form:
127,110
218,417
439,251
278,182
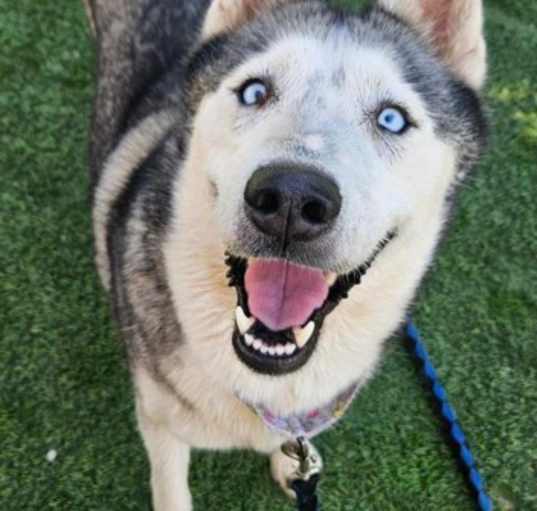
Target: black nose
292,203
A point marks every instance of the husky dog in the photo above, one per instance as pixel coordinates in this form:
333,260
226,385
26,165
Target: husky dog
270,180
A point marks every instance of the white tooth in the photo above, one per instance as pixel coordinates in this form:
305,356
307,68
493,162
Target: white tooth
280,350
303,335
330,278
248,339
243,321
289,348
272,352
257,345
264,349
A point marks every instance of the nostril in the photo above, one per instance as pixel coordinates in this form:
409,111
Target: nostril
314,212
291,202
267,202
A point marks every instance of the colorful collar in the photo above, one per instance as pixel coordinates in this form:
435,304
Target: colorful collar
311,423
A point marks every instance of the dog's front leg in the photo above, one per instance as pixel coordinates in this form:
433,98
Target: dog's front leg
169,459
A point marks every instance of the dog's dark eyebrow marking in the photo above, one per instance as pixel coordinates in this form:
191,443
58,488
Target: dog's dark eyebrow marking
208,53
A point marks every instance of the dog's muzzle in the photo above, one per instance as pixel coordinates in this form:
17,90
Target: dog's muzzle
282,304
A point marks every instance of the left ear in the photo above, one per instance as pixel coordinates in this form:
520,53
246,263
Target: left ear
455,29
225,15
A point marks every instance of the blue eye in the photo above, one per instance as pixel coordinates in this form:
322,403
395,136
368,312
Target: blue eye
254,93
393,120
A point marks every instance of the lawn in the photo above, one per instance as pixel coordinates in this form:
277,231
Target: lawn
64,383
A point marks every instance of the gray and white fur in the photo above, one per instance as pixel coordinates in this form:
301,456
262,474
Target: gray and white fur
173,150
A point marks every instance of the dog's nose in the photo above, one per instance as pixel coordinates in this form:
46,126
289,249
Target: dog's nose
293,203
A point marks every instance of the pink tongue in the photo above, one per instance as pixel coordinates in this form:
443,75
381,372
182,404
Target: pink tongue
283,295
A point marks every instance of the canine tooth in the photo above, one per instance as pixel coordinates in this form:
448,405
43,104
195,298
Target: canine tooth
243,321
248,339
303,335
280,350
272,352
330,277
289,348
257,345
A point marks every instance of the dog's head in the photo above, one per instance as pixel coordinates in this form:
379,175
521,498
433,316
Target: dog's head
324,149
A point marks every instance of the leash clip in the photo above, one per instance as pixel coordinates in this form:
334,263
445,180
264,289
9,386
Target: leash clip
309,459
306,477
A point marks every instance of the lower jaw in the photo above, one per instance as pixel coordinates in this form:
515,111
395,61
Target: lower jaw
274,366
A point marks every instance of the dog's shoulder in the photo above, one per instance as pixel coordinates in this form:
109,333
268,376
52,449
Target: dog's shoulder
137,44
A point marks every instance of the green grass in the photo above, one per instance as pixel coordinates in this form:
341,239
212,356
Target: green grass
64,383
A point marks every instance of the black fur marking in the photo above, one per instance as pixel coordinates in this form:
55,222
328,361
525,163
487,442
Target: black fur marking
138,43
142,299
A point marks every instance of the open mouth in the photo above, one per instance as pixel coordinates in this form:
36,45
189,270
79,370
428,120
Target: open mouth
281,308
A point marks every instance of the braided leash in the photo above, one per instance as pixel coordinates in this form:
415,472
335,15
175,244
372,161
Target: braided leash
460,443
306,490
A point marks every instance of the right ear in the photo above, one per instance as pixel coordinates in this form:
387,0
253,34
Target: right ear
225,15
454,28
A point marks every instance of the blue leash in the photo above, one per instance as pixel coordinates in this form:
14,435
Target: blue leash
306,490
473,476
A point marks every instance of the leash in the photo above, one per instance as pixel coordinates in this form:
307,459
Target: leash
307,476
458,438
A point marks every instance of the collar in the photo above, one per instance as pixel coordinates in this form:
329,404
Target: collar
310,423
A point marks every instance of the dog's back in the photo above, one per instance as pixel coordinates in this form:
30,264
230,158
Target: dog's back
138,42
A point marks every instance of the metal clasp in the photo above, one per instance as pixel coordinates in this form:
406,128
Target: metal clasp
309,460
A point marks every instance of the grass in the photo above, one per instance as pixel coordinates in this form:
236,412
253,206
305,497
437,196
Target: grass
63,380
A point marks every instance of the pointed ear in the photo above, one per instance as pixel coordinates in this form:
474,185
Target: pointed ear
455,28
224,15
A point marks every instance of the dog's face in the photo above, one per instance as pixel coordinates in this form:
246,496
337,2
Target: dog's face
304,144
325,154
